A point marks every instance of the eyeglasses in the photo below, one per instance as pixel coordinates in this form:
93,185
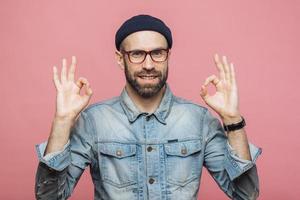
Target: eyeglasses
138,56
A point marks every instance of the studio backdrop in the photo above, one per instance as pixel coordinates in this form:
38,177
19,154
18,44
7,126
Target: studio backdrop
261,38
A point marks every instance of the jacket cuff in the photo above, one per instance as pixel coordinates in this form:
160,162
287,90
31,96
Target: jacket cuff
57,160
236,166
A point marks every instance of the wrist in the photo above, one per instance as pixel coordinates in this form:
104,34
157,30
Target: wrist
60,130
233,126
64,119
231,119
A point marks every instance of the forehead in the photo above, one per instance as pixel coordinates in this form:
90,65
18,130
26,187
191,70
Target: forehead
145,40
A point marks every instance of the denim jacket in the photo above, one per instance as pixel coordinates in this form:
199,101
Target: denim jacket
158,156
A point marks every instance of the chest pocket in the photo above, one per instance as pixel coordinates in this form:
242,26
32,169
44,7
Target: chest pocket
118,164
183,161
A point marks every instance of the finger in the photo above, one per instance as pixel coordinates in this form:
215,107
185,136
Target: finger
55,78
219,66
88,90
74,60
64,71
71,74
203,92
81,82
213,79
233,79
226,68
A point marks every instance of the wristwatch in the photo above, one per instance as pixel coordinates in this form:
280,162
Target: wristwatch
235,126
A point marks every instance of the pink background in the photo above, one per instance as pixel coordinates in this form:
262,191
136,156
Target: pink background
260,37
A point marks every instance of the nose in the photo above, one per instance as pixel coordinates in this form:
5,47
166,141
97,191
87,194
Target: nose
148,63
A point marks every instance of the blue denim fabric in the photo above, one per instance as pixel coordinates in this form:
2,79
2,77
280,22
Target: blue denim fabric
158,156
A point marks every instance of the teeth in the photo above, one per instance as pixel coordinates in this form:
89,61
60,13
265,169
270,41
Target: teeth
148,77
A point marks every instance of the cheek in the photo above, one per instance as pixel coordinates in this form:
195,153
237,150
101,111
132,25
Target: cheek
132,71
128,68
164,69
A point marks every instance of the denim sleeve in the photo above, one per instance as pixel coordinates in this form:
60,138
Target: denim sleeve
40,150
58,173
237,177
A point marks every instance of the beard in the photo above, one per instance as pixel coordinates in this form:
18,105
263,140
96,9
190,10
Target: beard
146,90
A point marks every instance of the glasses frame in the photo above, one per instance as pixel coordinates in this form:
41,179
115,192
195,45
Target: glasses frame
146,53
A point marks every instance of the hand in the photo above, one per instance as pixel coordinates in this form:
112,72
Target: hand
225,100
69,102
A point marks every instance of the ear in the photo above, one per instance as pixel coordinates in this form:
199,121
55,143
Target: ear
119,59
169,54
170,51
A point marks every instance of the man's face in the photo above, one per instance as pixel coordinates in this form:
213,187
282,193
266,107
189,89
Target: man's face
148,77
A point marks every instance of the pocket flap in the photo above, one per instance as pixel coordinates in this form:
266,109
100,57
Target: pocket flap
117,150
183,149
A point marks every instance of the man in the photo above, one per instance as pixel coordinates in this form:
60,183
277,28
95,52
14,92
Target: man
146,143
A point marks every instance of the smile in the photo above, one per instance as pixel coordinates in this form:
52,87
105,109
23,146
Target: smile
147,77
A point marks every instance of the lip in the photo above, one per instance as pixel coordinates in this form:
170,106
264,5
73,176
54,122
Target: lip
148,77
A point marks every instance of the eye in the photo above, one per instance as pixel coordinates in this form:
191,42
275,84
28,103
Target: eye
137,54
157,52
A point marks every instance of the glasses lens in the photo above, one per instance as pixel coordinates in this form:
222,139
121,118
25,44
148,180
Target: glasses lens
137,56
159,55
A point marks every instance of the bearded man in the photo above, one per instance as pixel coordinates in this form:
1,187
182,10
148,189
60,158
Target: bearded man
146,143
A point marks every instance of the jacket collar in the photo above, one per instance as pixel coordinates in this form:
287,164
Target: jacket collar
161,113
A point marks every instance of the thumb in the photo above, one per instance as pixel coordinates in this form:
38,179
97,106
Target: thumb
88,90
203,92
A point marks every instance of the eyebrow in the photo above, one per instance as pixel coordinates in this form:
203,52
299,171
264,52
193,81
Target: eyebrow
157,48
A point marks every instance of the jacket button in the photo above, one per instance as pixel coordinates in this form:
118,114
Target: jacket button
119,153
148,118
183,151
149,149
151,180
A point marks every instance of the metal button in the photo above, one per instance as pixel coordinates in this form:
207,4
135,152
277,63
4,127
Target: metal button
149,148
183,151
119,152
148,118
151,180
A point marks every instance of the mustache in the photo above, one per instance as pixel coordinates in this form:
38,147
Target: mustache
148,73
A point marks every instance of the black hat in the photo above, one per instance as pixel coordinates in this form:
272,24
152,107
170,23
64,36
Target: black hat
142,23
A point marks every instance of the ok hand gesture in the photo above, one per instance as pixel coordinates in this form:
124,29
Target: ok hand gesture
225,100
69,102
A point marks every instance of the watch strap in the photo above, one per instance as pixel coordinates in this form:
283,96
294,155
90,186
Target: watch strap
235,126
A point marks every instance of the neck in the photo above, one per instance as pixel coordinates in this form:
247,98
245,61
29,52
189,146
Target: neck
148,105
